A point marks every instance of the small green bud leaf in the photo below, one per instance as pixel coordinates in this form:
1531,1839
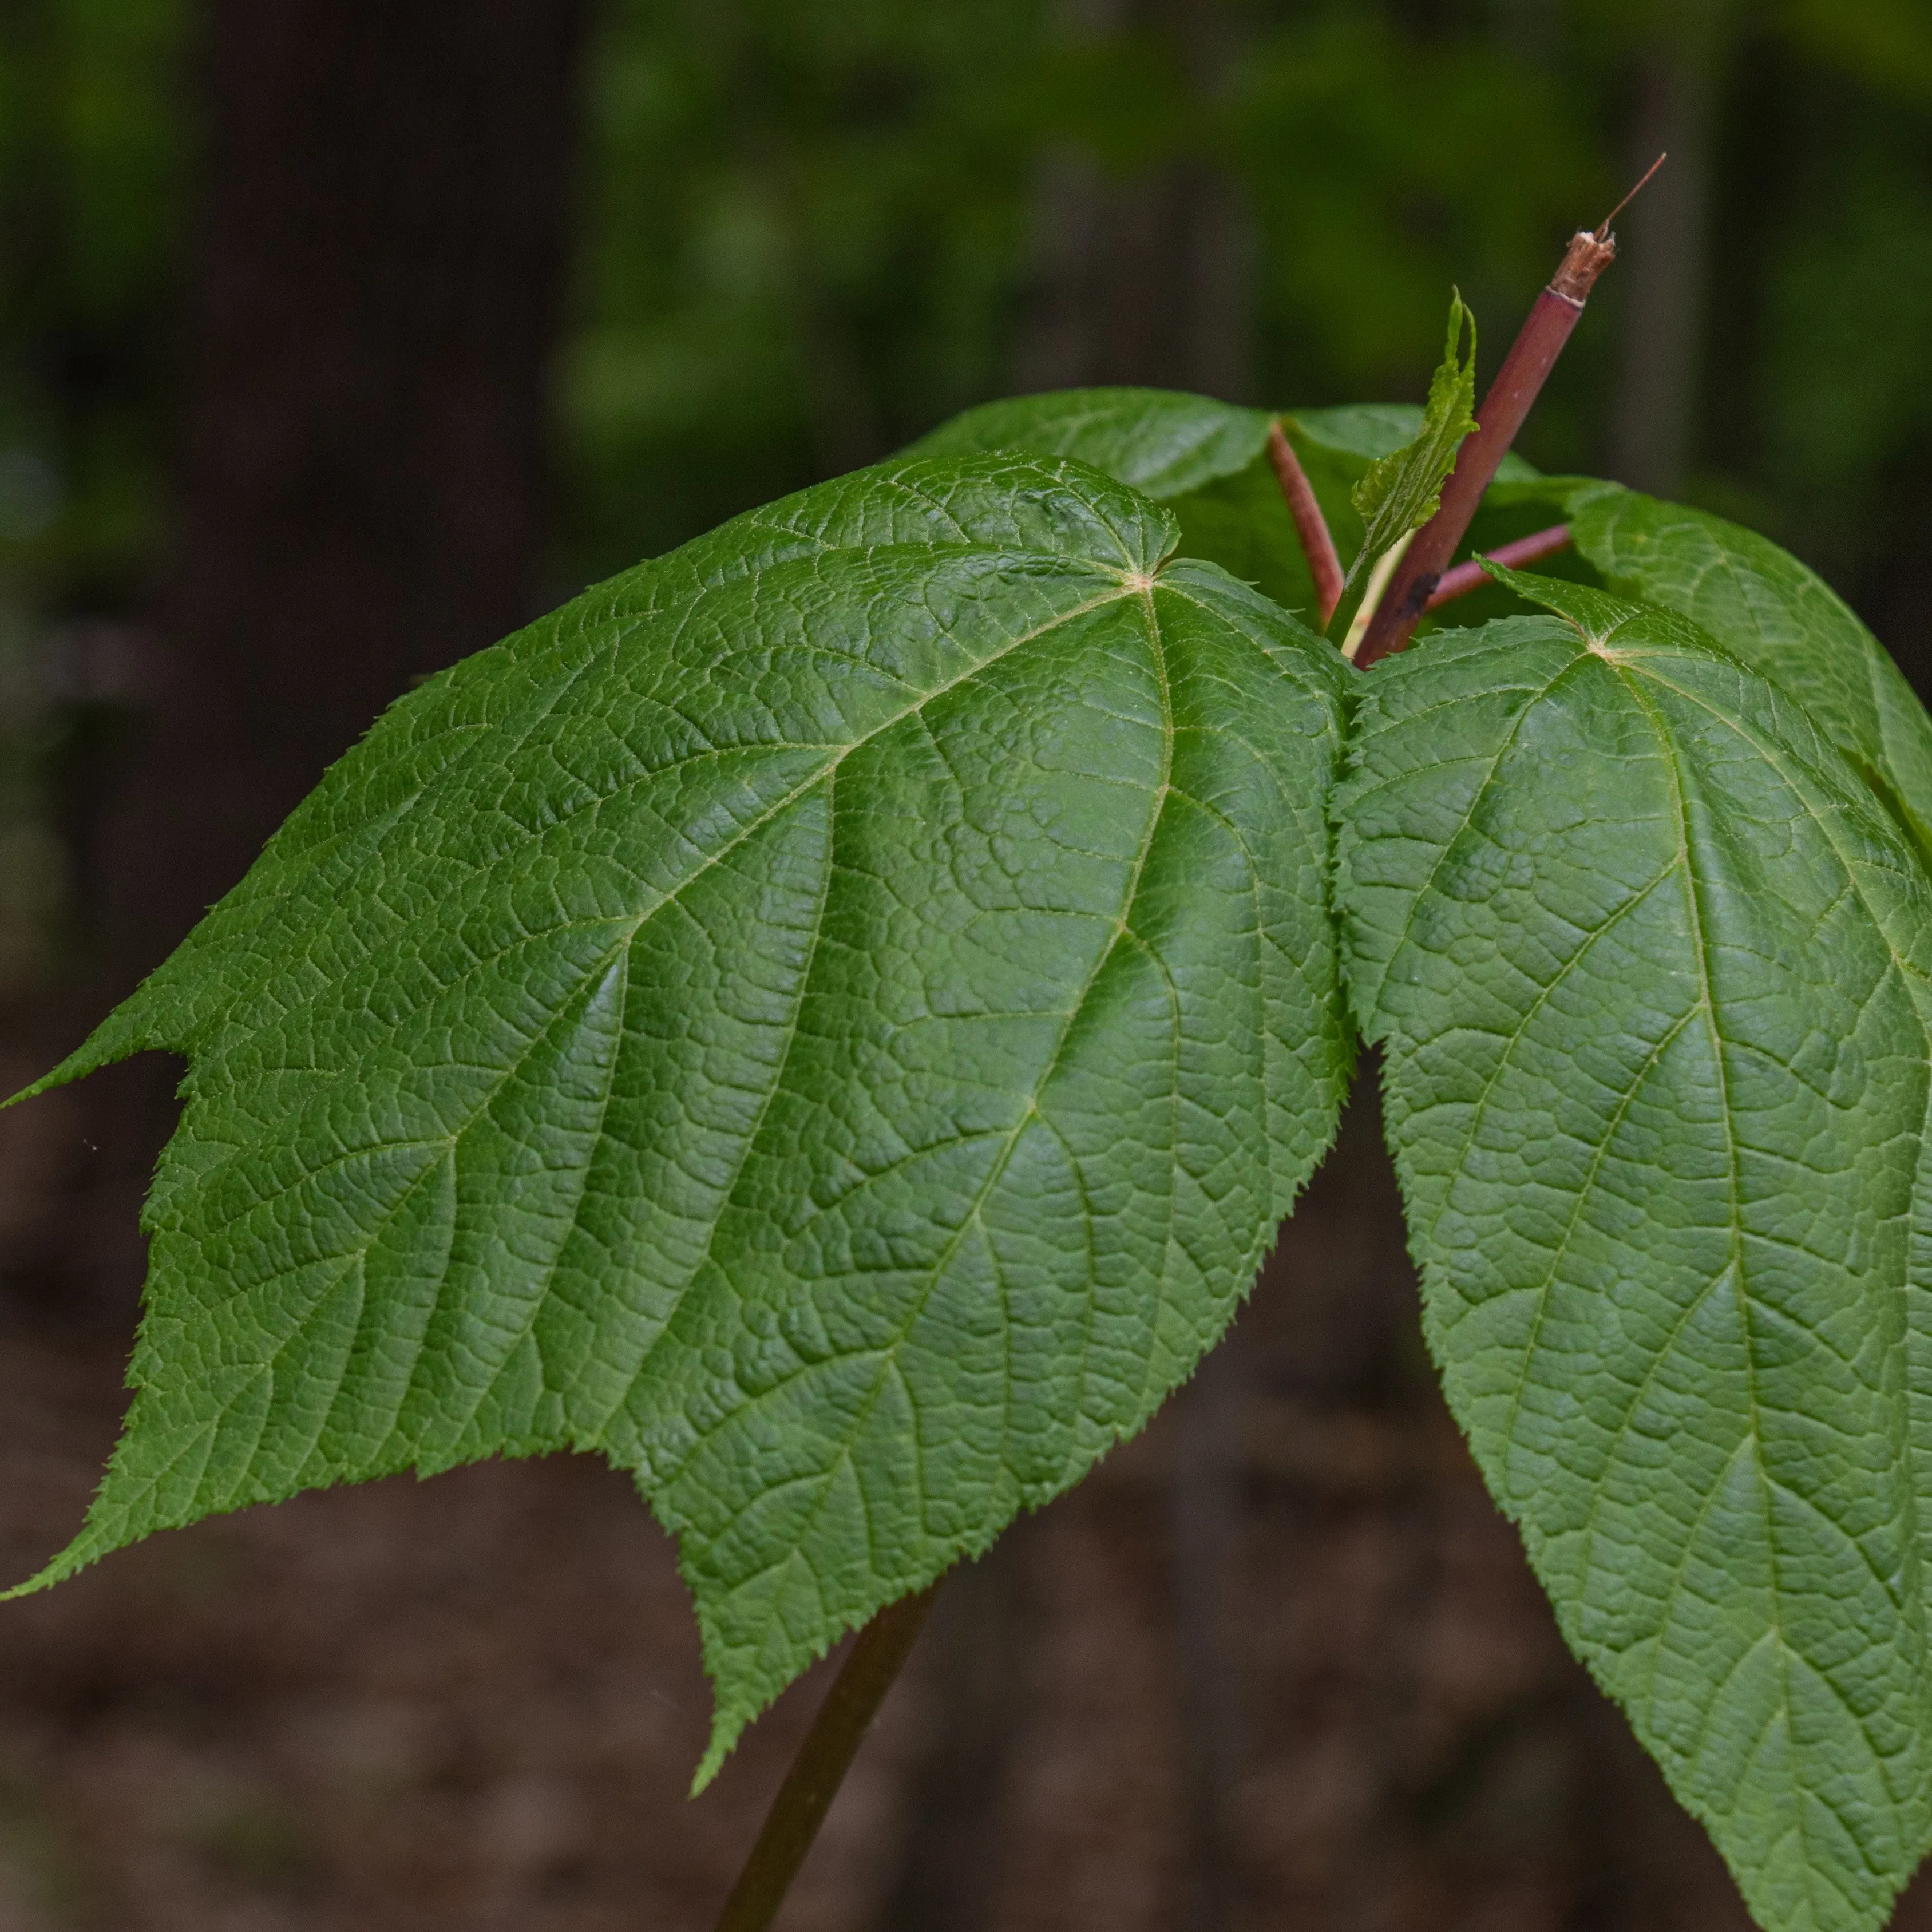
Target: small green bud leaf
1400,491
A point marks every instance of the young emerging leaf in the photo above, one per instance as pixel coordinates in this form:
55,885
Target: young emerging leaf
830,1021
1401,491
1649,967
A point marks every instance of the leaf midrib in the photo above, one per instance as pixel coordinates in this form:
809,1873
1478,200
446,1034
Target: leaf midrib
1695,909
889,1350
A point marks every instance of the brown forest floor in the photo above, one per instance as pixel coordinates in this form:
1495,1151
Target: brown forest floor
1278,1665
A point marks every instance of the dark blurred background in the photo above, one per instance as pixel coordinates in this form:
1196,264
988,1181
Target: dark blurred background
338,338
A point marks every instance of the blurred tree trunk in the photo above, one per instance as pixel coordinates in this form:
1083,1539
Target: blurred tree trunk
1147,279
374,294
375,298
1662,277
1143,278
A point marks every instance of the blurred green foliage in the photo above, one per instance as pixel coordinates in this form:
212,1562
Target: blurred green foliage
94,149
808,234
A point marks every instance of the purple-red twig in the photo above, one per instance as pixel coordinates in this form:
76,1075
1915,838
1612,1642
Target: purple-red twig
1530,360
1324,565
1470,576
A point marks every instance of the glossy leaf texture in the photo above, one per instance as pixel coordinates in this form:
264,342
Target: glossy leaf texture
1781,618
1647,964
830,1021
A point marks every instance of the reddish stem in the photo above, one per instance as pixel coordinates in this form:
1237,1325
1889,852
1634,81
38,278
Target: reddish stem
1324,565
823,1760
1532,357
1472,576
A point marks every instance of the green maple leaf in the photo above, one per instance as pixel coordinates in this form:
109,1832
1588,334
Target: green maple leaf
1401,490
1649,965
829,1021
1206,460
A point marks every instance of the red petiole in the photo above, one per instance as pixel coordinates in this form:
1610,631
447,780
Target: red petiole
1470,576
1519,381
1412,590
1318,546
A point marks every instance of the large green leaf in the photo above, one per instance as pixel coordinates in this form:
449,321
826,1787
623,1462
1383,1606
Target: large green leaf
830,1021
1770,611
1649,966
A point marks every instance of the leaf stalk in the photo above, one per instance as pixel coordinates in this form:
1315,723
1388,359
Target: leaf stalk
806,1796
1518,383
1311,526
1470,576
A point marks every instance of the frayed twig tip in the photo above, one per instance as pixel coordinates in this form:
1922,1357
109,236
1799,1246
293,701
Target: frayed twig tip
1603,226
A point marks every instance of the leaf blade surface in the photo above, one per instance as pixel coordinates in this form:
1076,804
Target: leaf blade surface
1781,618
830,1022
1164,442
1399,492
1648,969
